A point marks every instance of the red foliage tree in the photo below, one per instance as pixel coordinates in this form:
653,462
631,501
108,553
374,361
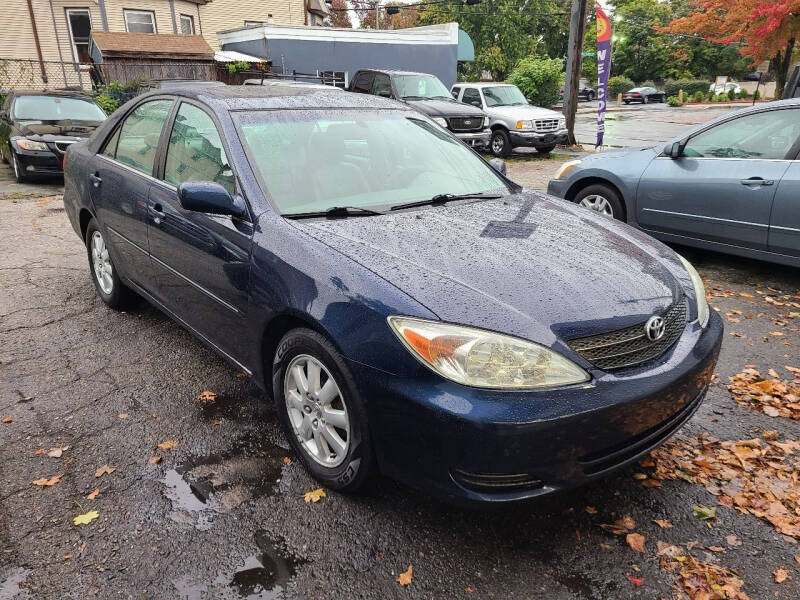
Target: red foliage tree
340,15
767,29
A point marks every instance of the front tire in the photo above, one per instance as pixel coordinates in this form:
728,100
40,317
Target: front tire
500,143
602,199
110,288
321,411
19,174
545,150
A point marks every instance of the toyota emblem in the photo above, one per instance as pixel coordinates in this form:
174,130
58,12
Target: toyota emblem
654,328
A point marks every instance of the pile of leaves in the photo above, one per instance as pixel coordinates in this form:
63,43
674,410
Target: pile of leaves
700,580
770,395
756,476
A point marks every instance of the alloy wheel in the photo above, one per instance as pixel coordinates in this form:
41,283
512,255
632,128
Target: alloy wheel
598,204
317,411
101,261
497,145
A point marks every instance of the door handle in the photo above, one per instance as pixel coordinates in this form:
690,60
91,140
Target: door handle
756,181
157,211
95,179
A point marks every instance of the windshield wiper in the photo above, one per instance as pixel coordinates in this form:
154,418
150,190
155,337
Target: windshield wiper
443,198
336,211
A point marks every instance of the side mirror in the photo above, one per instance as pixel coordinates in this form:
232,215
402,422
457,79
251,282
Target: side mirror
673,150
499,165
210,197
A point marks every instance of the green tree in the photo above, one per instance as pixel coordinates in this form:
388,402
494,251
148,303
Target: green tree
540,79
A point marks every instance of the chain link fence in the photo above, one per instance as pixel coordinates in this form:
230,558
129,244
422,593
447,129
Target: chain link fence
51,75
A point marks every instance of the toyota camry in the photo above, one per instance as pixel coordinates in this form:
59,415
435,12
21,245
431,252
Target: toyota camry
410,310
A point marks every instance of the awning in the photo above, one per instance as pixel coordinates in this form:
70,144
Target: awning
466,50
233,56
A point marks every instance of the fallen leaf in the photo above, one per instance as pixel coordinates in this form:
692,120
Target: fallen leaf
716,548
405,578
619,526
86,518
286,460
104,470
154,459
705,512
67,556
40,451
639,476
93,494
468,589
45,482
56,452
663,523
780,574
314,495
776,333
797,559
168,445
635,541
637,581
733,541
206,396
8,419
216,422
746,295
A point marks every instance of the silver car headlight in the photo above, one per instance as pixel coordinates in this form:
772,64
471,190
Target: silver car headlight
524,124
562,123
699,292
484,359
440,121
31,145
485,121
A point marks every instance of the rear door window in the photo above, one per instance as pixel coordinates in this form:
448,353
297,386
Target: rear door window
472,96
140,133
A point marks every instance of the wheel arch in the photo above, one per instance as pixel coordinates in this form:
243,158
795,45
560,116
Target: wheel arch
83,220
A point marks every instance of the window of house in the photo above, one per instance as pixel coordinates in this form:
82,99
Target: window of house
140,21
80,26
334,78
187,24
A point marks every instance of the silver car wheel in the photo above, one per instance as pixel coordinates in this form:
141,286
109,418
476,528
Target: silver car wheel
101,261
598,204
497,144
317,411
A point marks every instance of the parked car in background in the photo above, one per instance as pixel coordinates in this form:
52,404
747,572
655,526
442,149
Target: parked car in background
724,89
427,94
645,95
37,127
512,120
585,92
171,84
288,84
410,310
730,185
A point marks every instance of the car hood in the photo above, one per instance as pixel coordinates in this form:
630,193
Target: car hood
528,264
51,130
444,108
522,113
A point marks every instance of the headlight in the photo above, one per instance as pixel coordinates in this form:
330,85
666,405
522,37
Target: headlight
524,124
485,121
562,123
484,359
31,145
699,292
566,167
441,121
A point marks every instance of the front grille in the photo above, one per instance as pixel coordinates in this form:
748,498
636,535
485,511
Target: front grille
631,346
62,146
546,125
466,123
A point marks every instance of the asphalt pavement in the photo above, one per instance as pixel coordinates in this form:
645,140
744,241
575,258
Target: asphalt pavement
201,497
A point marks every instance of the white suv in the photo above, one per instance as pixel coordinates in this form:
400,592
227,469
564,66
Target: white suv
513,121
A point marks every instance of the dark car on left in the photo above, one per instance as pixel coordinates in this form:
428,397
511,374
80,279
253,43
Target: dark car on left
37,127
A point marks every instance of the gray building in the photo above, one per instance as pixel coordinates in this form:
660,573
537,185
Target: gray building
340,53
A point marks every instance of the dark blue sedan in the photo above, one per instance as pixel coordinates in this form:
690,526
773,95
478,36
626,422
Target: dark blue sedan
410,310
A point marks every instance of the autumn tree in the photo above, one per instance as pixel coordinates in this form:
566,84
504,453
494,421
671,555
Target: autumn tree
766,29
340,15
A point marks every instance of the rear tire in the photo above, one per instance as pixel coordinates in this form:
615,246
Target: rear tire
500,143
602,199
321,411
110,288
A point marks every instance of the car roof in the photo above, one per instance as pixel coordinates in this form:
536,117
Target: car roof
483,84
790,102
272,97
396,72
279,82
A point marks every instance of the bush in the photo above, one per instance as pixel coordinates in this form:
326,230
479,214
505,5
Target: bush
673,101
689,86
731,94
699,96
539,79
619,85
107,103
743,94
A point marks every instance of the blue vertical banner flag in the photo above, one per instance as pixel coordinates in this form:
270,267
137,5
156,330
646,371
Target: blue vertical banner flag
603,68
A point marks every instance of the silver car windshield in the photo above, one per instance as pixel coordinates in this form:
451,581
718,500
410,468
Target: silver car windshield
503,95
311,161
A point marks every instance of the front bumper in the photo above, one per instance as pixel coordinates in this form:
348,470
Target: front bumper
39,162
442,437
557,188
478,139
535,139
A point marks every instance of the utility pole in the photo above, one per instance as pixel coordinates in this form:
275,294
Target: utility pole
577,29
377,5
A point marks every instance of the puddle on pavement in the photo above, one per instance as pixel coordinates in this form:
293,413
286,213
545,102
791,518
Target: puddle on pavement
263,575
10,583
205,485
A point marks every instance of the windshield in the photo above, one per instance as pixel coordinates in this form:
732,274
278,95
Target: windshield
505,95
53,108
311,161
420,86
